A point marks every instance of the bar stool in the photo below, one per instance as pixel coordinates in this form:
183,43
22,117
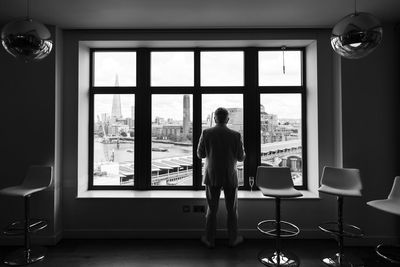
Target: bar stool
277,182
340,182
38,178
390,205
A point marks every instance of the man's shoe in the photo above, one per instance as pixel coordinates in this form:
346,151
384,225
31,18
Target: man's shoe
207,243
239,240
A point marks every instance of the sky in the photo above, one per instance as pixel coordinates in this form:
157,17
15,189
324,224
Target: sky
217,68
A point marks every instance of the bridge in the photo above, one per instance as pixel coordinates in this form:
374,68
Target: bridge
178,170
271,151
117,139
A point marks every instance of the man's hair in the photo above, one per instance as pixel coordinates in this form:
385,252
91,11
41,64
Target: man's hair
221,114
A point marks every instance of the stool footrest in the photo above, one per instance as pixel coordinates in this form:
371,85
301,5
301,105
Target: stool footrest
390,253
25,257
18,227
349,230
268,227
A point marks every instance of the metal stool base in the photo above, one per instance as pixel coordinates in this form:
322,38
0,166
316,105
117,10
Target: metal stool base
389,253
270,258
337,261
23,257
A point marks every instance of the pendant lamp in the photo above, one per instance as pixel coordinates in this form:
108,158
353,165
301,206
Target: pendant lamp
26,38
356,35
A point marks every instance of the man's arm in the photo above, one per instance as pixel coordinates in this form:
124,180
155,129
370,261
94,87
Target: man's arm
201,150
240,153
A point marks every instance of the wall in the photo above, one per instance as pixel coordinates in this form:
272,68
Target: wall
371,116
160,217
29,135
31,132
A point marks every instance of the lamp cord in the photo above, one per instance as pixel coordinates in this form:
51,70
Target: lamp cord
28,9
283,59
355,6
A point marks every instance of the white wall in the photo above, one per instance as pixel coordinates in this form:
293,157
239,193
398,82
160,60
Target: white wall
164,217
371,119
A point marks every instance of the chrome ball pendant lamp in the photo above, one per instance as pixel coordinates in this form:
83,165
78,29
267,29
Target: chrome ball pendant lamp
27,39
356,35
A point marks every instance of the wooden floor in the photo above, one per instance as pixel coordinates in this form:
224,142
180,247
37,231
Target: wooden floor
177,253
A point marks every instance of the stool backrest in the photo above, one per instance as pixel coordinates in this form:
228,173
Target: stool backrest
274,177
38,177
395,192
341,178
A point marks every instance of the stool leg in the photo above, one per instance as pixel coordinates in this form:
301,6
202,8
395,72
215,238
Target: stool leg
278,257
27,254
278,228
338,260
340,224
27,236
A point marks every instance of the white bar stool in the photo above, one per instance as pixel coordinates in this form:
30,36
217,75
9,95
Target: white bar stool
340,182
277,182
38,178
390,205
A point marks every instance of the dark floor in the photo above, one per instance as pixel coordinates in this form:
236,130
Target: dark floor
177,253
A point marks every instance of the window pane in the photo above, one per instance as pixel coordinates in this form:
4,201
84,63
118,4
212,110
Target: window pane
115,69
234,104
172,145
172,68
271,72
222,68
281,133
113,137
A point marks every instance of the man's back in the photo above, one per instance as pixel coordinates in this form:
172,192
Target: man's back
222,148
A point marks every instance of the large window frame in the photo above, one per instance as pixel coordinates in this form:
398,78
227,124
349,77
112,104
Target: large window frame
143,92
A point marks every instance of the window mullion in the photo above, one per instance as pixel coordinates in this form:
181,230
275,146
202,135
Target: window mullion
197,174
251,115
143,122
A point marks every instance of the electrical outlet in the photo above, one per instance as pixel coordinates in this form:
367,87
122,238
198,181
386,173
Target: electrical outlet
199,208
186,208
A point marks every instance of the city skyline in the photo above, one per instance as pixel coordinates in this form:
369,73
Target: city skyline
108,65
170,106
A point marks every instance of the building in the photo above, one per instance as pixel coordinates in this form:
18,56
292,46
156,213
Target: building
186,116
236,119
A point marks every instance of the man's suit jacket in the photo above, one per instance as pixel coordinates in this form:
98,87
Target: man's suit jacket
222,148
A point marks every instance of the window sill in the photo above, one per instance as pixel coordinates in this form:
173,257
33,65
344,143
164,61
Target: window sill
170,194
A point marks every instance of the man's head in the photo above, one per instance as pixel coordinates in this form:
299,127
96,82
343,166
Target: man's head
221,116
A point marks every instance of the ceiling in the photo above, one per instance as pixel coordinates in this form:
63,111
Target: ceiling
195,14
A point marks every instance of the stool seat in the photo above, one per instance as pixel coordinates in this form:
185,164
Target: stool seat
283,193
340,191
388,205
20,191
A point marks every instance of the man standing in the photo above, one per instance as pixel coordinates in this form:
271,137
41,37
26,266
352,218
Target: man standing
222,148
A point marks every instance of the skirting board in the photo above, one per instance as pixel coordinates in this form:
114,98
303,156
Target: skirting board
48,240
221,234
179,234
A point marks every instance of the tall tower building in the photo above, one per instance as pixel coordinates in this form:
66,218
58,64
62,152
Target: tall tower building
116,112
186,115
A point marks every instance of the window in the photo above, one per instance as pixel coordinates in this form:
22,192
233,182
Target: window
113,139
282,131
172,140
112,119
149,106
